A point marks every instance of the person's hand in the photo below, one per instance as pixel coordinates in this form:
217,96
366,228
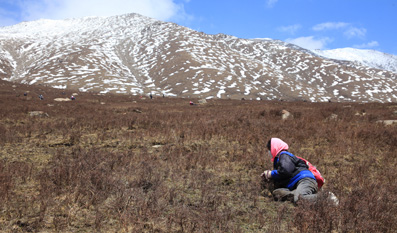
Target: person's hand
267,174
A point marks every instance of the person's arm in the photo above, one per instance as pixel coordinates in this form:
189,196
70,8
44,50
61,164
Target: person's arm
285,169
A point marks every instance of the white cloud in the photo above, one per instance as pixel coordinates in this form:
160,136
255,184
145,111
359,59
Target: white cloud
290,29
271,3
349,30
355,32
329,26
62,9
368,45
310,42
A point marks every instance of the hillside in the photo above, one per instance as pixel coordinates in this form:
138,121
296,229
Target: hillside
371,58
139,55
121,163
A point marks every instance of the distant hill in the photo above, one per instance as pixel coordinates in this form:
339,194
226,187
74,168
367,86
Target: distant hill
371,58
134,54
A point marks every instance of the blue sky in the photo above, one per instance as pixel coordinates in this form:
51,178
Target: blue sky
313,24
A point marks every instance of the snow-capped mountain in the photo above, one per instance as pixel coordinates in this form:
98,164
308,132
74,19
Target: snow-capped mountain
139,55
371,58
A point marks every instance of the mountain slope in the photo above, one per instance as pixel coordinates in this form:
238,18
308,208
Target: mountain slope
139,55
369,58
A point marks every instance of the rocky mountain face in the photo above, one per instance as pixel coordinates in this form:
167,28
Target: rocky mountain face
134,54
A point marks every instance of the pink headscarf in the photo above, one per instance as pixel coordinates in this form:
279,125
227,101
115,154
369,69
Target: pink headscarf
276,146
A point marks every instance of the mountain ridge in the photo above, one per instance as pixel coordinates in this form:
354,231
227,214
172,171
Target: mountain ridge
133,54
368,57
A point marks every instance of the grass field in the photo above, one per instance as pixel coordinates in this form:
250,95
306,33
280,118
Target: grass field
119,163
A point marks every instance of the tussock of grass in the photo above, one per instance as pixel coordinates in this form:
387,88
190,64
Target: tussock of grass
162,165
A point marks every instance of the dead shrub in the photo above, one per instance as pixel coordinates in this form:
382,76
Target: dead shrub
163,165
6,184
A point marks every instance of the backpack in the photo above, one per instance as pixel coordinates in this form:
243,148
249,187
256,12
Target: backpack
319,178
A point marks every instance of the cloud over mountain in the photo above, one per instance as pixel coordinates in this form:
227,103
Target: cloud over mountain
63,9
310,42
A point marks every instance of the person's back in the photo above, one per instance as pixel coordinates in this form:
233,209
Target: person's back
289,169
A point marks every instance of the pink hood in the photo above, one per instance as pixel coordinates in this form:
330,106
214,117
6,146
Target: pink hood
276,146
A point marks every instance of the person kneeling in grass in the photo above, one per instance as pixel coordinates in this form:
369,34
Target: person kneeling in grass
291,175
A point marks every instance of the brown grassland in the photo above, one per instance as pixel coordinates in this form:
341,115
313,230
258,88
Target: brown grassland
119,163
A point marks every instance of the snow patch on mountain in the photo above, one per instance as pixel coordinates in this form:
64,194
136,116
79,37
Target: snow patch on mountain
371,58
133,54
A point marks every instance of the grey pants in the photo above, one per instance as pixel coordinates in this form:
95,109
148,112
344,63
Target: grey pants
306,189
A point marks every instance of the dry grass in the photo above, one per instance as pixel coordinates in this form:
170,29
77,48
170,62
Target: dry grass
161,165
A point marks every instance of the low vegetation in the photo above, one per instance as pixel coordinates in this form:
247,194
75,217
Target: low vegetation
119,163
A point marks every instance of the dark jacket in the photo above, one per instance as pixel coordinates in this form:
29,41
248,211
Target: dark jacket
289,169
